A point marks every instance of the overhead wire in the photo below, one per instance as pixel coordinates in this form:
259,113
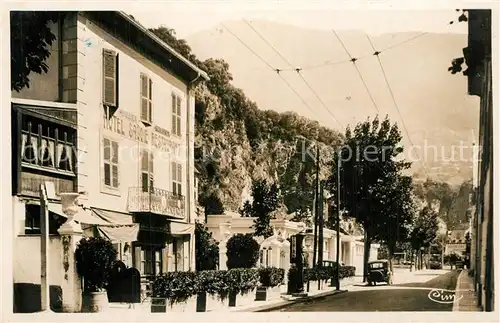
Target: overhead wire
377,54
297,70
270,66
353,60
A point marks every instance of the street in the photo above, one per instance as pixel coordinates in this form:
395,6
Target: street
398,297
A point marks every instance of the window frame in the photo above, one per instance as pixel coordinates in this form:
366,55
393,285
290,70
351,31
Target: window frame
148,121
149,171
176,174
111,163
50,133
115,78
176,104
153,256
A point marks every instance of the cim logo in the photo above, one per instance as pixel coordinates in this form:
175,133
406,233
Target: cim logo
443,296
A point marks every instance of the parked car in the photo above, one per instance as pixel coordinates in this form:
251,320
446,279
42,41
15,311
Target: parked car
435,265
459,264
379,271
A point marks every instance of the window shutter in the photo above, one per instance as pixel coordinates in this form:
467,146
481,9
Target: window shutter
109,59
151,172
144,161
173,167
174,113
144,98
150,103
114,169
107,150
114,154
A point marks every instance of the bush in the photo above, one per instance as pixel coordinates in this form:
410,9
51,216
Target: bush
176,286
242,251
207,250
271,276
347,271
180,286
95,257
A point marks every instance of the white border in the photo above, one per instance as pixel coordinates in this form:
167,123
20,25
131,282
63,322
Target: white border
5,165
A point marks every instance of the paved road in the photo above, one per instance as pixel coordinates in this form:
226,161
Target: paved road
402,297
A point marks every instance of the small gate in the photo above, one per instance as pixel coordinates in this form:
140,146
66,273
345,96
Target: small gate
124,284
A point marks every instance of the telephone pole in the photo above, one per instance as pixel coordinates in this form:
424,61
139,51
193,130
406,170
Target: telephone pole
316,208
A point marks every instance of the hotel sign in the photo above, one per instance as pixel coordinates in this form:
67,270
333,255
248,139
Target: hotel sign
129,126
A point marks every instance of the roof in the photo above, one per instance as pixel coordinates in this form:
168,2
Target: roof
130,31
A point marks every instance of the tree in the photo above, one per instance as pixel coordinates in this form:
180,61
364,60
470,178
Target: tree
394,204
368,163
265,201
207,250
242,251
425,229
30,41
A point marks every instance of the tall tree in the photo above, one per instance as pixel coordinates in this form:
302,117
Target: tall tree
368,163
394,204
30,41
265,201
425,229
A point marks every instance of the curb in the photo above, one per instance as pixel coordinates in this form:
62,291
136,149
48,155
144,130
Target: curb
271,307
456,305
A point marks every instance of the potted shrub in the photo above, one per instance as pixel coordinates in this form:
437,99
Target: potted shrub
209,282
268,278
94,260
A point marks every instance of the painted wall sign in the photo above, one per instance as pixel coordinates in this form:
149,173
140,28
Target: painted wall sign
128,125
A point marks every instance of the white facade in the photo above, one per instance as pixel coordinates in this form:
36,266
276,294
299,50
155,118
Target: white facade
224,226
121,156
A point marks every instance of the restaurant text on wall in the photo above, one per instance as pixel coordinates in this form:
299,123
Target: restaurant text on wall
129,126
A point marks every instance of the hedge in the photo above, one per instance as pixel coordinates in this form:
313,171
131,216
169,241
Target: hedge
179,286
323,273
271,276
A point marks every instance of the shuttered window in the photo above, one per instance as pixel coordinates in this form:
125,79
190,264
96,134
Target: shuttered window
176,114
176,178
147,178
146,99
110,163
110,78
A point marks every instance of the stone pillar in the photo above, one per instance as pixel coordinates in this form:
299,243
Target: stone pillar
71,233
225,234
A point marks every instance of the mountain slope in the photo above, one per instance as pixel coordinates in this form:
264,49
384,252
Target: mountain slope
433,103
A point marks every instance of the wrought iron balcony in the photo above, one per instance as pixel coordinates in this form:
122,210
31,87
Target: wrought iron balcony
157,201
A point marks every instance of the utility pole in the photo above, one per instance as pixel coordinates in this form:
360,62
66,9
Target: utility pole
316,201
44,250
337,256
320,224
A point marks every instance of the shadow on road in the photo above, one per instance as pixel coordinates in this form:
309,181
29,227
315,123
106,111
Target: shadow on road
446,281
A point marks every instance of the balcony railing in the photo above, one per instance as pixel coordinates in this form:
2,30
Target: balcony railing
157,201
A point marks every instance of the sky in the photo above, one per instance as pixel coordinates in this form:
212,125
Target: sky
191,17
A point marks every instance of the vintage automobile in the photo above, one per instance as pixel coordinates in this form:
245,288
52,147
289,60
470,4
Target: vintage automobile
379,271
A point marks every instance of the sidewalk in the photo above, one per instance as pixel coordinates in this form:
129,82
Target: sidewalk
464,293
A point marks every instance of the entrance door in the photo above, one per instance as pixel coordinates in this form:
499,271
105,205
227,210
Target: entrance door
150,260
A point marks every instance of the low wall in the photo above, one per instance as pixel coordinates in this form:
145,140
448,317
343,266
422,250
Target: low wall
27,273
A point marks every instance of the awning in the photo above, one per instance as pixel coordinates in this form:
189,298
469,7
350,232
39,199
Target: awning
115,226
178,228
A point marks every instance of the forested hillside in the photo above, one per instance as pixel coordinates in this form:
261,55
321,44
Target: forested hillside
237,143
